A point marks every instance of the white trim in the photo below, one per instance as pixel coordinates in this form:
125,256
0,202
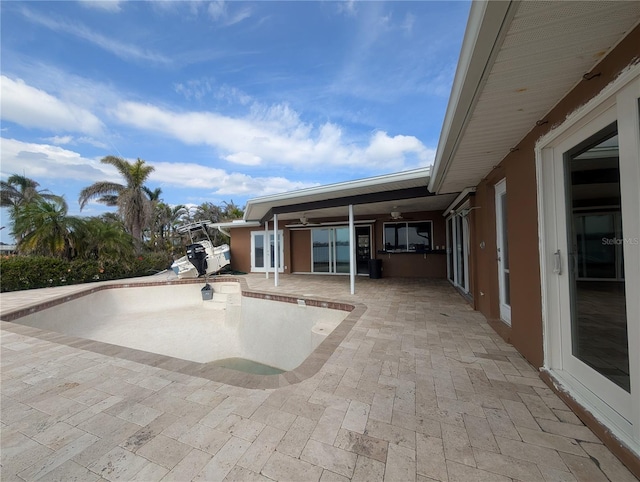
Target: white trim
238,223
352,252
266,237
486,28
276,250
500,189
413,178
453,207
453,235
332,249
616,102
332,223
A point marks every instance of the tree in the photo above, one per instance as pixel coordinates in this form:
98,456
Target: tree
131,199
231,211
18,191
43,227
208,212
104,239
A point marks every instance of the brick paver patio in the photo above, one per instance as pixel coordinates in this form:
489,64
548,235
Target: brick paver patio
420,389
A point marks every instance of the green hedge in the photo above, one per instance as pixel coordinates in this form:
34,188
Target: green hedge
28,272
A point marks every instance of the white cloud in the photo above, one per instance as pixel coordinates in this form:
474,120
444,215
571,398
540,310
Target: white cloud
93,142
220,182
195,89
244,158
59,140
70,140
112,6
32,107
122,50
276,135
216,9
45,161
348,7
221,11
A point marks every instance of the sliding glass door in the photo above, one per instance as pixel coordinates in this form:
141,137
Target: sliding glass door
458,250
330,250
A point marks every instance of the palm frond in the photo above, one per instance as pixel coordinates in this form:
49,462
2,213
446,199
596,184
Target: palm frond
99,189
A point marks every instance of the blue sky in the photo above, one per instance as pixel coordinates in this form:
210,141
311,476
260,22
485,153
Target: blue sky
227,100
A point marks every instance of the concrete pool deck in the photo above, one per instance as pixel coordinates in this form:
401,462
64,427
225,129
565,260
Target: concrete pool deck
420,388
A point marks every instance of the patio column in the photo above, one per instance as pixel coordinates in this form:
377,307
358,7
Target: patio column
352,252
276,250
265,250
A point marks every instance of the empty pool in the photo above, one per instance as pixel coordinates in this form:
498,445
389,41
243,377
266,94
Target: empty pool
176,320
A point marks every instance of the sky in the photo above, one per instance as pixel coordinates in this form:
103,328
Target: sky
226,100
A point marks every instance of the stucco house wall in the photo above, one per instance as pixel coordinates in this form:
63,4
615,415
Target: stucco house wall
519,170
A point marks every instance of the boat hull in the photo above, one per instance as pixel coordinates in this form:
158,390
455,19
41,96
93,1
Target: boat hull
217,258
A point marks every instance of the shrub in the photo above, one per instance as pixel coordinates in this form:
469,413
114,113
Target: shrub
29,272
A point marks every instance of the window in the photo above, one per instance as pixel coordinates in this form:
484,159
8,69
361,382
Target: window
258,251
406,237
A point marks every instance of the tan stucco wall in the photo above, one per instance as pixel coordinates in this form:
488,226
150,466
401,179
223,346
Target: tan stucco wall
519,169
240,246
301,251
297,248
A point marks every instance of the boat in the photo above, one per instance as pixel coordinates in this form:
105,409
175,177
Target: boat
202,258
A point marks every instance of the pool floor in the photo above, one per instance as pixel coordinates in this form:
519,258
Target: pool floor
248,366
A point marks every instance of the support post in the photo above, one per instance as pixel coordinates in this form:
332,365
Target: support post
266,247
352,251
276,249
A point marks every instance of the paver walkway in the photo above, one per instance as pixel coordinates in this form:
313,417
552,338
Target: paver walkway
420,389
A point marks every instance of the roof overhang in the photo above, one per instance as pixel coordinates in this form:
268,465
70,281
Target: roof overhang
518,60
404,191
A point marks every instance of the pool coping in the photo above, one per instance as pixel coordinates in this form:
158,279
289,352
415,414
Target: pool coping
309,367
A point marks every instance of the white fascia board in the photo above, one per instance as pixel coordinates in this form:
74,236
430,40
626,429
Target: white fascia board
421,173
486,28
459,198
236,224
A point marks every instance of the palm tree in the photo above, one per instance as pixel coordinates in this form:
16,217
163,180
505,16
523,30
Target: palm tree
231,211
132,201
209,212
18,191
104,240
46,229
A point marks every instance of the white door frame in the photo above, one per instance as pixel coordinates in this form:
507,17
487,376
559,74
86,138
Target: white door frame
501,233
455,236
613,406
266,236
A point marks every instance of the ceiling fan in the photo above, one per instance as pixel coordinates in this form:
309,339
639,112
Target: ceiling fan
396,215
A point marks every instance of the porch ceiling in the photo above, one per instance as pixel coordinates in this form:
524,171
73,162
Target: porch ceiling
518,60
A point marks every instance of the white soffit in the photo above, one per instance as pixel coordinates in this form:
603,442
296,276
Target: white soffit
544,49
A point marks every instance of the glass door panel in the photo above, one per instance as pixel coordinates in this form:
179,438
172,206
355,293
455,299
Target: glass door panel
596,285
341,246
450,253
459,252
330,250
363,253
258,251
321,251
504,276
